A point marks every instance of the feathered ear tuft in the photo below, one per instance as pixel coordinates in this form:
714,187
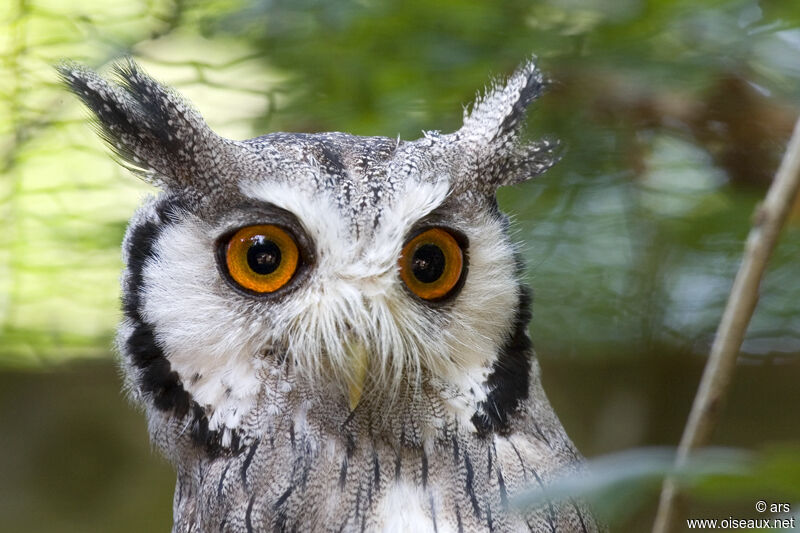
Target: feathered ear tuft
488,143
150,127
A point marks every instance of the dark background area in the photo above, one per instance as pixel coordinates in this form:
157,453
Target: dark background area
673,116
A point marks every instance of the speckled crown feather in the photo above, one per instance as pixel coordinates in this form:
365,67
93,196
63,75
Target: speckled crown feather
157,133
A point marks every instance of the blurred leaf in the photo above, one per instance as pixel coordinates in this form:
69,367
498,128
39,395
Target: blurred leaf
617,485
775,471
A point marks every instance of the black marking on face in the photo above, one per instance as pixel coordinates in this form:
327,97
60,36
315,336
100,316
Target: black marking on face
140,249
510,378
156,377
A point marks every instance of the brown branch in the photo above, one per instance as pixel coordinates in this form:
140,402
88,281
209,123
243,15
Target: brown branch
767,223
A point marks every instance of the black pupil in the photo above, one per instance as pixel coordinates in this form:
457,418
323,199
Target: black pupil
263,256
428,263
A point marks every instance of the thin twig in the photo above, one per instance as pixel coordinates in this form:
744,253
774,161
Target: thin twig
767,223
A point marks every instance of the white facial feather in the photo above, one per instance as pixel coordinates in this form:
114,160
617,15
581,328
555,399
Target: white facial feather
355,289
212,345
354,292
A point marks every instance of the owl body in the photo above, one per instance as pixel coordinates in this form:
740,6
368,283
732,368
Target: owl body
329,332
326,473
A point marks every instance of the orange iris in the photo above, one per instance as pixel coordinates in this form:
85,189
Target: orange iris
431,264
262,258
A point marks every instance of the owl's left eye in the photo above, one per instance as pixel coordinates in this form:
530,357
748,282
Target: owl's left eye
432,264
261,258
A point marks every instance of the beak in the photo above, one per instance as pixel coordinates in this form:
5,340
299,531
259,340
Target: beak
359,361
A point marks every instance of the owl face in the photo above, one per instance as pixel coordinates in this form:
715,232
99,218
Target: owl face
362,269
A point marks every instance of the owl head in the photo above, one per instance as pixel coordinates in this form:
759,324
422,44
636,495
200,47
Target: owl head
366,271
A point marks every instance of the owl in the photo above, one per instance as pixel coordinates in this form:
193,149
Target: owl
330,332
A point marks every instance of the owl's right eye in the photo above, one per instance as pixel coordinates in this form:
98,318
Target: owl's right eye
432,264
262,258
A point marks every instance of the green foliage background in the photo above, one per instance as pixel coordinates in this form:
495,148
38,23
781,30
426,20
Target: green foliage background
673,115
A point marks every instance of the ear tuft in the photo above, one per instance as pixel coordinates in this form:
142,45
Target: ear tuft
488,145
530,160
500,111
150,127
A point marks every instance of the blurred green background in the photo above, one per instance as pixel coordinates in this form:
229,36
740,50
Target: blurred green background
674,115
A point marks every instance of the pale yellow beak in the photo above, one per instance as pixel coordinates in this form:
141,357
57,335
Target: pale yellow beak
359,361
